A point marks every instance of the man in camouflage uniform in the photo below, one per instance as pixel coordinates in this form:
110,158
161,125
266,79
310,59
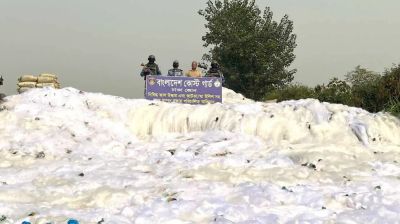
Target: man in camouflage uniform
215,71
150,68
1,94
175,71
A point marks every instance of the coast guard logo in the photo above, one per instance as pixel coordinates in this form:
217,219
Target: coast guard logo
217,83
152,81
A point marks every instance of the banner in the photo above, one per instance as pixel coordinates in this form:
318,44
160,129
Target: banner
184,89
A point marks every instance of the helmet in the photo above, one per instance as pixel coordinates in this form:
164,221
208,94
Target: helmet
214,64
175,64
152,58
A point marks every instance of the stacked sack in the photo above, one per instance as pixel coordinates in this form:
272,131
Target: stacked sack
47,80
27,82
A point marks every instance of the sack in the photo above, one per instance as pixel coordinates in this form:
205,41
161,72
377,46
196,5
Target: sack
41,85
27,84
23,89
48,75
45,79
28,78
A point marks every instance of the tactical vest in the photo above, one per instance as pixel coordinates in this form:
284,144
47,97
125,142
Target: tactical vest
214,73
175,72
153,68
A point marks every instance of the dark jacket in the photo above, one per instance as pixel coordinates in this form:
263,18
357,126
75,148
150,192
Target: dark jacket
175,72
150,69
215,72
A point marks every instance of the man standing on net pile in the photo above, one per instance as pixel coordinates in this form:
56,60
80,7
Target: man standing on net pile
175,71
194,72
2,95
151,68
215,71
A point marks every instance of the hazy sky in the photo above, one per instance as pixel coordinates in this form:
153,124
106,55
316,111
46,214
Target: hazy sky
98,45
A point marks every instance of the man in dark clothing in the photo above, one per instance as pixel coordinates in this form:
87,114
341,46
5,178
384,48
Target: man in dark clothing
175,71
214,71
150,68
1,94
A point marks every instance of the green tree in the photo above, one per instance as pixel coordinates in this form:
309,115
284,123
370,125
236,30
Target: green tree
337,91
253,50
291,92
365,87
390,90
391,83
361,76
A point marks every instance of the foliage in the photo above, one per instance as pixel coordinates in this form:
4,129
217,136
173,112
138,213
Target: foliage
291,92
365,88
368,96
253,50
391,83
390,90
361,88
393,107
337,91
361,76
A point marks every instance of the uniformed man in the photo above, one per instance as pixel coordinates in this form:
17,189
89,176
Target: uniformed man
151,68
194,72
175,71
215,71
2,95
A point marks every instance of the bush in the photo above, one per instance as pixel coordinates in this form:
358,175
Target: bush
364,88
291,92
394,108
337,91
391,84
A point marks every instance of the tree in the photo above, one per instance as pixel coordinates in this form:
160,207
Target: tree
391,83
390,89
291,92
337,91
365,86
254,51
361,76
